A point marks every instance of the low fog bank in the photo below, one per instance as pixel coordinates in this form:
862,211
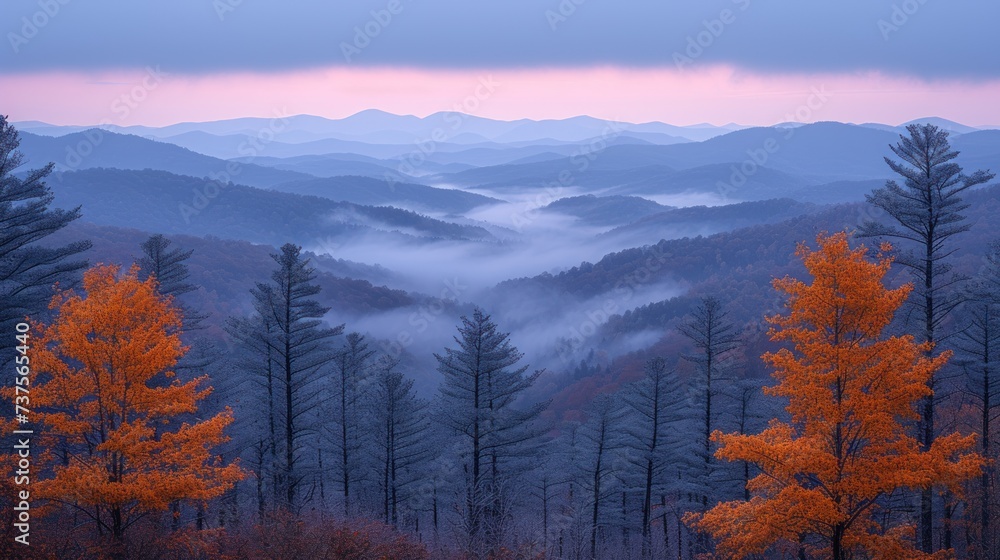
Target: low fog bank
449,277
529,242
553,331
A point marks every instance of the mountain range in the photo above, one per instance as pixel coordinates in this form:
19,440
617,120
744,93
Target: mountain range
550,224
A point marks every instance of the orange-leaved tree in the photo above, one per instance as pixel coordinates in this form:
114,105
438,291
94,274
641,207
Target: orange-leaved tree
851,390
105,408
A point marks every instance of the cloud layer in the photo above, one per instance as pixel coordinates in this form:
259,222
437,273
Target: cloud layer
926,39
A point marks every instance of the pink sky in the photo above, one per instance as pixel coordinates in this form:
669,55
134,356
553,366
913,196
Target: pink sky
712,94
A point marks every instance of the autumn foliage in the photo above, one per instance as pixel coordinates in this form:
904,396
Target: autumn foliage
851,390
119,425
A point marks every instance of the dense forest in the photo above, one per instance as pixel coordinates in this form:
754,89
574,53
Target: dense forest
823,383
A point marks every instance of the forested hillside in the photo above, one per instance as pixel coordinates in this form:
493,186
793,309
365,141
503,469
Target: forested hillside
350,366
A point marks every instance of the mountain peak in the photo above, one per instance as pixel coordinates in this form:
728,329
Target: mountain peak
942,123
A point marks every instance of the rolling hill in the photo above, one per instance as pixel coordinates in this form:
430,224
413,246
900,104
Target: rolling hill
380,192
99,148
177,204
605,210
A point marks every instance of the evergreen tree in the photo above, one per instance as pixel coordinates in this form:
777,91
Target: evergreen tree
747,414
928,209
599,440
549,480
655,405
28,270
351,364
714,337
296,343
167,266
258,355
399,430
979,345
478,393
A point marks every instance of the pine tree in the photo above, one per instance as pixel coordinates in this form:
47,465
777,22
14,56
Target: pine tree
599,440
979,345
928,209
747,414
351,365
399,429
292,334
655,406
171,273
548,482
850,390
714,336
478,393
28,270
258,355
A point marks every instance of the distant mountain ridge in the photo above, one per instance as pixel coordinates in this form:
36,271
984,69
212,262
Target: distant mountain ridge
176,204
381,127
374,126
747,164
99,148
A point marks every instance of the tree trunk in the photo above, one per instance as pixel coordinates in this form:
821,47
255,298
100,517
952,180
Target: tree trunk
647,503
986,536
597,500
838,542
927,411
344,457
289,432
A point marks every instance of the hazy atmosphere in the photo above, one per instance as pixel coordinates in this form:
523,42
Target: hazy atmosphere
500,280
